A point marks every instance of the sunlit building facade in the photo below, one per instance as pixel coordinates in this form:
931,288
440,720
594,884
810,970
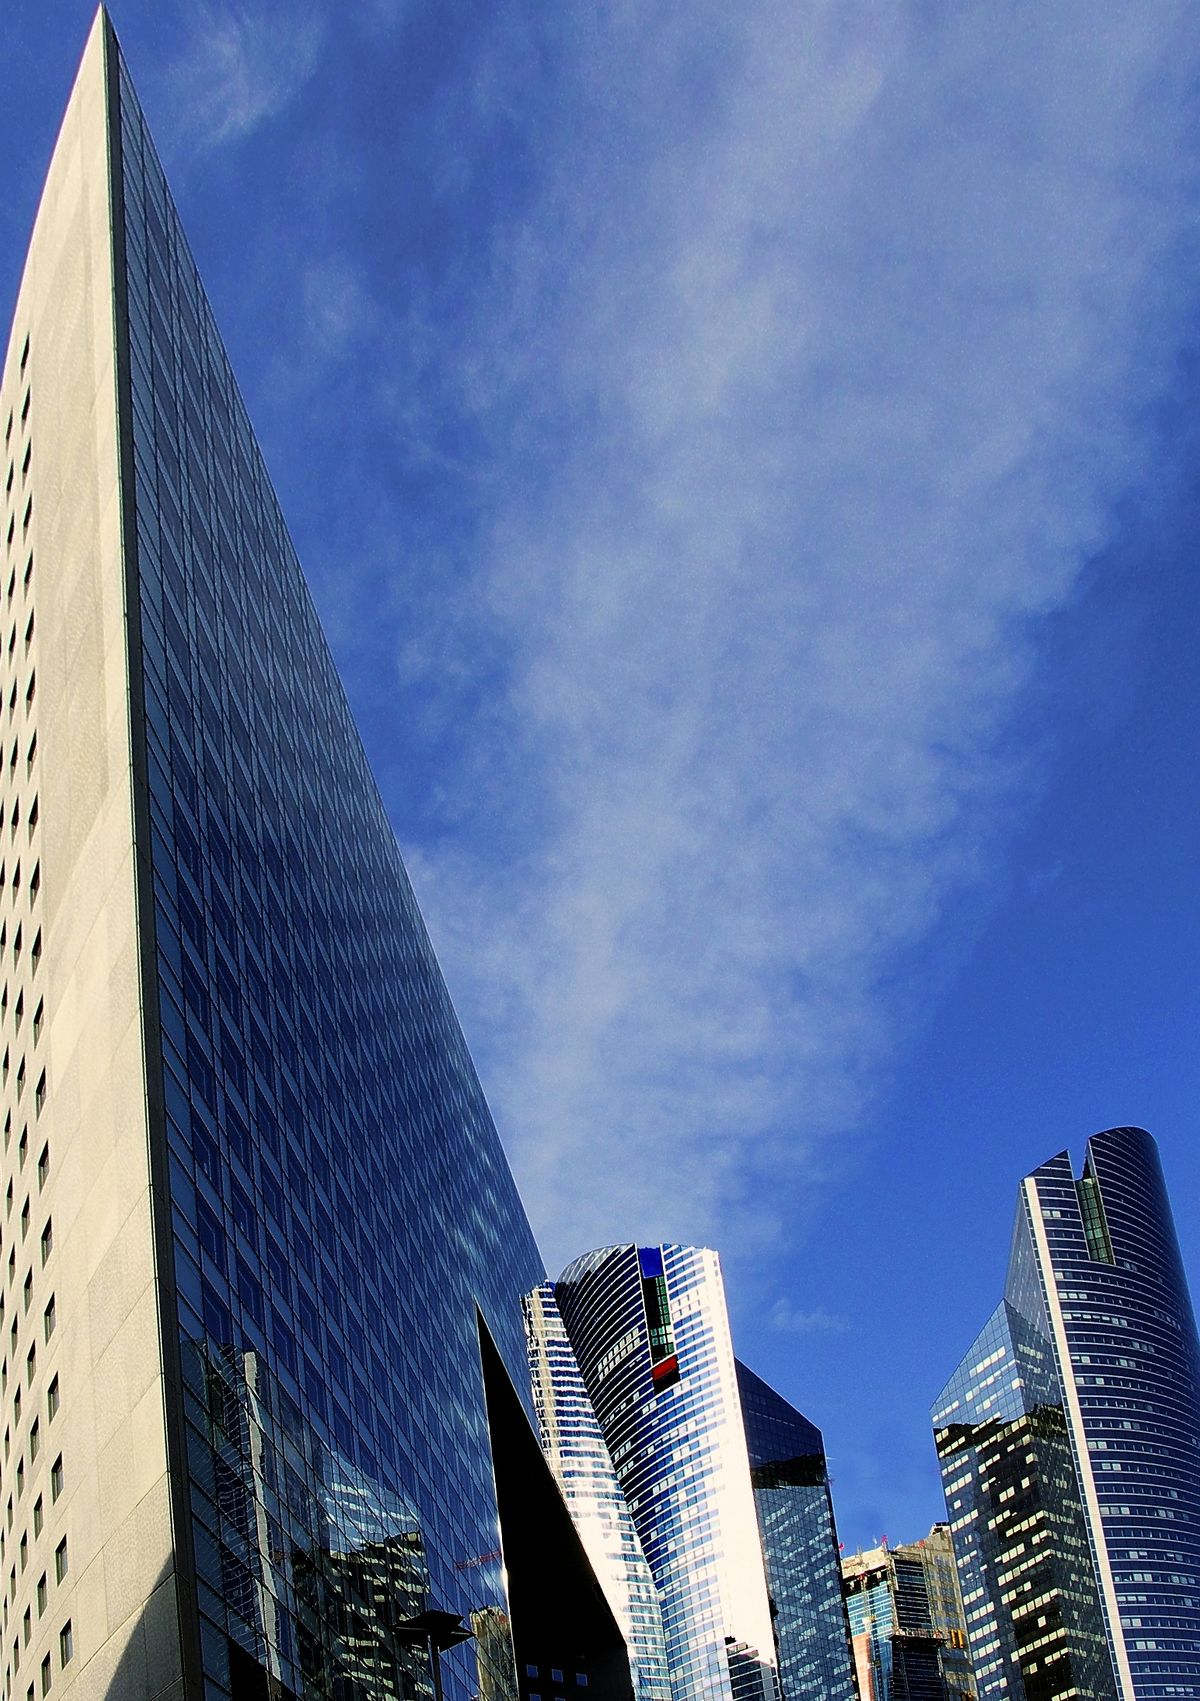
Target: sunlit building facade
577,1454
800,1545
1086,1402
903,1649
650,1335
263,1254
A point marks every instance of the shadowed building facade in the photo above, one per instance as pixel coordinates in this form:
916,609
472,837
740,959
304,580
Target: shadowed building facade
800,1546
263,1257
1076,1415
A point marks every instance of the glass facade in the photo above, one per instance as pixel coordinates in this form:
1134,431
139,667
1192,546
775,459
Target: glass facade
1034,1619
1099,1319
575,1449
800,1546
313,1328
650,1335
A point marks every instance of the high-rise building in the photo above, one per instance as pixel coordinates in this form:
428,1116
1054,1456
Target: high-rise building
1081,1401
946,1611
575,1449
262,1257
1034,1617
650,1337
800,1546
904,1647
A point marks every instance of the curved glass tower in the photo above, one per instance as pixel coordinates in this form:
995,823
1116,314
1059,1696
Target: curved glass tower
1096,1279
651,1338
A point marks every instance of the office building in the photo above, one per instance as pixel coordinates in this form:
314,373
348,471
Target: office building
262,1256
946,1612
906,1645
800,1545
1072,1431
650,1337
575,1449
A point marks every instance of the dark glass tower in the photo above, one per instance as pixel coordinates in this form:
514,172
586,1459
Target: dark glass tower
1096,1288
266,1439
1034,1615
800,1547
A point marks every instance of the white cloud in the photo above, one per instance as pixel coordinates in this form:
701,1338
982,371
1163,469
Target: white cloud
240,66
814,367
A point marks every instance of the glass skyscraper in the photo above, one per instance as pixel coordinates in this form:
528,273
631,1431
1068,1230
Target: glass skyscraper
650,1337
800,1546
262,1255
575,1449
1093,1358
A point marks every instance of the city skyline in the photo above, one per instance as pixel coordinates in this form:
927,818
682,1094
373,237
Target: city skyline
1048,1015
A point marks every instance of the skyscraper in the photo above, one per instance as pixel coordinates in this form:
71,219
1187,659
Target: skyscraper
1095,1355
800,1547
903,1648
650,1337
1034,1618
262,1255
575,1449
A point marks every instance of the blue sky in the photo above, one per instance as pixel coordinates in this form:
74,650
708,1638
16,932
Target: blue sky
744,460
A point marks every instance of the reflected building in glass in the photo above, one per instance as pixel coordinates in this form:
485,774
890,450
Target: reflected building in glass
263,1258
649,1333
800,1545
1070,1443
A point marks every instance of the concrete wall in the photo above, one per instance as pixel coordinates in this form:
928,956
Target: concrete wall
94,1188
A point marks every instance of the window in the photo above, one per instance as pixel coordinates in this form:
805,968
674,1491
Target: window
52,1400
43,1169
60,1560
23,1551
66,1643
24,1219
35,1440
27,1290
38,1515
48,1318
46,1675
31,1363
56,1478
27,1627
43,1593
47,1240
39,1097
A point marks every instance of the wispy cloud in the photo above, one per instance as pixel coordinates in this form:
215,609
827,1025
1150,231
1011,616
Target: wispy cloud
238,67
791,1320
802,379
